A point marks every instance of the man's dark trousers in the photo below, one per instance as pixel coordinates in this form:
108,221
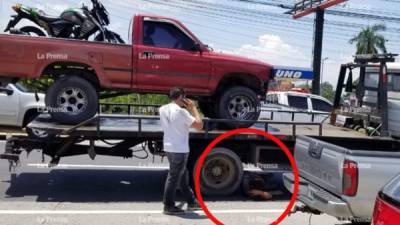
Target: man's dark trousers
178,176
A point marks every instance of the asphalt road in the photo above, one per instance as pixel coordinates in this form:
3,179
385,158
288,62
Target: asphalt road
116,191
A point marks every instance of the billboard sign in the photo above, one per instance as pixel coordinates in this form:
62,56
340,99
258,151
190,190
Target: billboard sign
292,73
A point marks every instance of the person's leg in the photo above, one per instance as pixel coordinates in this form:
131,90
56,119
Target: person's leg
176,165
185,185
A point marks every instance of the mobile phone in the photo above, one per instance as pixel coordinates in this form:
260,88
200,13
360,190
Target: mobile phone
184,103
183,100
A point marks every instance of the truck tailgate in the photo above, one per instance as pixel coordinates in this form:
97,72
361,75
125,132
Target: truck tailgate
320,163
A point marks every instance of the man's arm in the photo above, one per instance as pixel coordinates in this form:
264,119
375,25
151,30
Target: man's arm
191,107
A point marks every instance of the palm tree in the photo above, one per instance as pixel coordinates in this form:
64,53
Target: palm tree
369,41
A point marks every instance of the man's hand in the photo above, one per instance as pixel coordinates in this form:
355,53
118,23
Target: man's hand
191,106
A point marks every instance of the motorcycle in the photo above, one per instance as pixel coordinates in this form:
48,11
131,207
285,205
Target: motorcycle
75,23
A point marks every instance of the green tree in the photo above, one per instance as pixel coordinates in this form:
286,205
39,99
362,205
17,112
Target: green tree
369,41
305,85
39,85
327,91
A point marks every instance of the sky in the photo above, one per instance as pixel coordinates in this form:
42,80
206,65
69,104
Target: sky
251,30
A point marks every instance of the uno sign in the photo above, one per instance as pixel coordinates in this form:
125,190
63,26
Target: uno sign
293,74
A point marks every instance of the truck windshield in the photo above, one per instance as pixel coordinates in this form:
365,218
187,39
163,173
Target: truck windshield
320,105
392,189
372,81
394,82
298,102
21,87
130,32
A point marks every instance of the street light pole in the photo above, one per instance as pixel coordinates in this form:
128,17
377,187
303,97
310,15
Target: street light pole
322,72
317,50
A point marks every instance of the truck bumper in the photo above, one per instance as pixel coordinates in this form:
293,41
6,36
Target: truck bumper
317,198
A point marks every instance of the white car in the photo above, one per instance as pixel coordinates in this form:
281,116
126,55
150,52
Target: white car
305,107
19,107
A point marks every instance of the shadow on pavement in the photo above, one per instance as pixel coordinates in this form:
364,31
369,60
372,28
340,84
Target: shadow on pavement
60,185
192,216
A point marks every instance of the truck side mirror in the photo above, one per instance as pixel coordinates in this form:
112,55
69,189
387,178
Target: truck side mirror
7,91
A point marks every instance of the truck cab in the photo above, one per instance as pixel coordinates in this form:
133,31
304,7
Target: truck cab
18,106
370,97
295,107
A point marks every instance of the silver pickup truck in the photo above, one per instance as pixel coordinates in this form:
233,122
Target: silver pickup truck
342,176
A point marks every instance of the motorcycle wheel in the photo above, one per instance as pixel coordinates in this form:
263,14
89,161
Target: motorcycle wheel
111,37
32,31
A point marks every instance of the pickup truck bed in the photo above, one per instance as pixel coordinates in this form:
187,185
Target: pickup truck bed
342,176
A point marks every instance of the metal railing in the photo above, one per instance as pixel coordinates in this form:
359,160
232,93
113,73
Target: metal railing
128,108
208,123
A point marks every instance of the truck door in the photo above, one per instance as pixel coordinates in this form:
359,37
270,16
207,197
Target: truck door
320,106
168,58
300,105
9,108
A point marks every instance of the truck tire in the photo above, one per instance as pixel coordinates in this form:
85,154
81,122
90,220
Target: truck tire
35,133
239,103
221,173
72,100
38,134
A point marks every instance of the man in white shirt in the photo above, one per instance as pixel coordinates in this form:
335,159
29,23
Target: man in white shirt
177,118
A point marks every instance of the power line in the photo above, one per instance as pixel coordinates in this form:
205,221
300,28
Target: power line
296,30
393,1
275,16
329,11
198,8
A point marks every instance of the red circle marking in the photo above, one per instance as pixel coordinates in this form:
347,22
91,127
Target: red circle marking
238,131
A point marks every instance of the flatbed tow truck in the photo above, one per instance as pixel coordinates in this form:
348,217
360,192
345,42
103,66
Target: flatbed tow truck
222,171
116,135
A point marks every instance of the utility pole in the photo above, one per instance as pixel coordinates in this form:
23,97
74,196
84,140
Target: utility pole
322,71
303,8
317,50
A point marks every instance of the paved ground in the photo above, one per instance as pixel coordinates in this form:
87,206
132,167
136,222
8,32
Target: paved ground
115,191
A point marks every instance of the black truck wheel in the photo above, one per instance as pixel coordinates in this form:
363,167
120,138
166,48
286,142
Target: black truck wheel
39,134
72,100
239,103
35,133
221,173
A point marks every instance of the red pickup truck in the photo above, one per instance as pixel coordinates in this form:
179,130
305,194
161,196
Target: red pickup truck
163,53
